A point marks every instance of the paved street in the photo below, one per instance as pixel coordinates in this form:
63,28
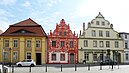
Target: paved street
71,69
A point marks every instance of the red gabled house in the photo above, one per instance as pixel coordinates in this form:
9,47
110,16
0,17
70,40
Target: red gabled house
62,45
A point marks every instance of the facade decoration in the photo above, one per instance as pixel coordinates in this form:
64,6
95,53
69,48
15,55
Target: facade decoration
99,42
62,45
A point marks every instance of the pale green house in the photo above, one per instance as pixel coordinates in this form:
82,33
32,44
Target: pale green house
97,39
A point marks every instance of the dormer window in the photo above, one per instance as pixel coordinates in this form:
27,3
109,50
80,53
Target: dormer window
97,22
23,31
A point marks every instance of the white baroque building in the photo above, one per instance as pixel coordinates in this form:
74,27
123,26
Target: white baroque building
125,37
97,39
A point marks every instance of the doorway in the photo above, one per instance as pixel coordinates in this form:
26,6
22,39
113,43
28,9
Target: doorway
38,58
72,58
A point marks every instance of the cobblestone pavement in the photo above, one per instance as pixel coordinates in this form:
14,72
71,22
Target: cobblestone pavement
72,69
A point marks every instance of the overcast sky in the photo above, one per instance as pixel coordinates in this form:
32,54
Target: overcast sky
49,12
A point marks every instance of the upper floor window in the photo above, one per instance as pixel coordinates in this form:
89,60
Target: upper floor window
93,33
62,44
116,44
15,43
6,43
60,33
85,43
65,33
101,44
71,44
28,43
100,33
107,44
53,43
107,34
125,36
94,43
97,22
103,23
38,43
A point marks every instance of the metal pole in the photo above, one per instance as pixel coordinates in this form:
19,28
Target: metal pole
30,68
75,67
88,66
46,69
61,68
3,60
12,69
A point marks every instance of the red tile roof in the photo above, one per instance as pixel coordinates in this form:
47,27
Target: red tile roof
28,25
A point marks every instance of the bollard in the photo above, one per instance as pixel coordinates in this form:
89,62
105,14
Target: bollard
46,69
88,66
112,66
100,67
30,68
75,67
12,69
61,68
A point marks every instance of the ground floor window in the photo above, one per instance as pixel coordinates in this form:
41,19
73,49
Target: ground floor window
86,56
53,57
6,57
62,57
28,55
95,57
127,58
15,56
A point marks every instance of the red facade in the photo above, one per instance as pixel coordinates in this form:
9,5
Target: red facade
62,45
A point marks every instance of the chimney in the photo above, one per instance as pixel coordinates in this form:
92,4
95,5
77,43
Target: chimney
83,26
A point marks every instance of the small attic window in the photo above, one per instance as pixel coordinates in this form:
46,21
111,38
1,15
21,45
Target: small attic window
23,31
97,22
103,23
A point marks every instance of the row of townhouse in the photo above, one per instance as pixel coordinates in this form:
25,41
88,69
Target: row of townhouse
28,40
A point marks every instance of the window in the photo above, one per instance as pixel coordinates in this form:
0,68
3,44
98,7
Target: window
53,43
28,55
60,33
28,43
126,45
65,33
95,57
15,43
93,33
53,57
97,22
94,43
62,57
107,44
38,43
71,44
62,44
116,44
101,44
103,23
6,56
86,56
85,43
127,58
6,43
125,36
107,34
15,56
100,33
